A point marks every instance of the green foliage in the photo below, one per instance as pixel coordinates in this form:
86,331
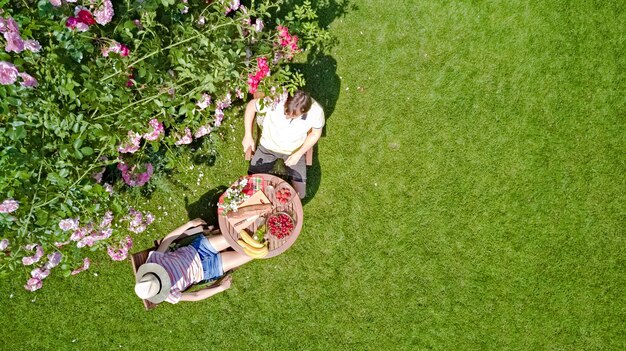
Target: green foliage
55,138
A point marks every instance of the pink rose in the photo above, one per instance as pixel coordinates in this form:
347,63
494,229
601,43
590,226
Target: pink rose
185,139
4,243
84,267
53,260
71,22
40,273
68,224
86,17
32,45
33,284
15,42
28,80
105,13
8,205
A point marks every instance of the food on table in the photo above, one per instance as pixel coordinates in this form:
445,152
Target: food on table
247,211
283,195
253,251
280,225
248,239
259,234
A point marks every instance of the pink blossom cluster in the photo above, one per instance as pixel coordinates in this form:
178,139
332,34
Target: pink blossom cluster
84,267
82,20
98,175
9,205
263,70
9,74
225,103
96,236
219,117
120,251
4,243
134,140
204,101
105,13
137,221
15,42
239,93
116,48
131,175
185,139
68,224
29,260
108,188
40,273
185,9
288,41
258,25
202,131
156,130
233,5
88,235
57,3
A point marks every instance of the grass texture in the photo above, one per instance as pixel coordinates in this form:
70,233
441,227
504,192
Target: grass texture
467,195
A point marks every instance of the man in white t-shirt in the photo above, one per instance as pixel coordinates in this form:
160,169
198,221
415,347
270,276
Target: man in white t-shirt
290,129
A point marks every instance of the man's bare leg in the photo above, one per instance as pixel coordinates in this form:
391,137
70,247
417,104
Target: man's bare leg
300,188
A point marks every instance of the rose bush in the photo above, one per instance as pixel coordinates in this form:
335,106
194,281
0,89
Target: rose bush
94,92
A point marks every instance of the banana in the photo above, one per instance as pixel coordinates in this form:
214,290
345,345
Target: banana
260,254
253,251
248,239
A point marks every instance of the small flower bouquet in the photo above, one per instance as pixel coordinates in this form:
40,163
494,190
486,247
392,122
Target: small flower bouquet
234,196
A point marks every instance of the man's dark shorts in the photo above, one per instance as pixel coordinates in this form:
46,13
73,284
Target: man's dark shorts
263,162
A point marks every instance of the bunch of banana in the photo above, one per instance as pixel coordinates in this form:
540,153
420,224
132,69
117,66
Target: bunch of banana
252,247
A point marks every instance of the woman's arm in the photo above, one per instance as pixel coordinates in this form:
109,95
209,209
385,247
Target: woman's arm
202,294
169,238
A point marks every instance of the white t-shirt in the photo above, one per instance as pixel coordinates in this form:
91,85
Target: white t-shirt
283,135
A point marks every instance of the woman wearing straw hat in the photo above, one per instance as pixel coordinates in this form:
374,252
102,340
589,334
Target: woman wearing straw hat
165,275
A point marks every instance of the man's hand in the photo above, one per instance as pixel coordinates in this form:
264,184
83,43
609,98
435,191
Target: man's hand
293,159
247,142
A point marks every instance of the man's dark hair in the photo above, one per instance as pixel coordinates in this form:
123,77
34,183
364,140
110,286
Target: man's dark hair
298,103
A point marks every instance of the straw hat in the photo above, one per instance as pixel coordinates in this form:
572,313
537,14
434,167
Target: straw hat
152,282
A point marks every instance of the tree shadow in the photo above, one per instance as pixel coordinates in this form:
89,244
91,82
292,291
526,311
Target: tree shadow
322,81
327,10
206,206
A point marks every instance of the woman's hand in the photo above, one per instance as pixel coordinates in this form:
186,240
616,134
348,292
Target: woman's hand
196,222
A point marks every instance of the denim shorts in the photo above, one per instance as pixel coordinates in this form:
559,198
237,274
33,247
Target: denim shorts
210,258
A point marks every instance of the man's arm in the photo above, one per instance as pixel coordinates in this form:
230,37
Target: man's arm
311,138
169,238
248,120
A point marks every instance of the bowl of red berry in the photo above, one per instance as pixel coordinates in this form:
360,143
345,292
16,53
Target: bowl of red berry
280,224
283,195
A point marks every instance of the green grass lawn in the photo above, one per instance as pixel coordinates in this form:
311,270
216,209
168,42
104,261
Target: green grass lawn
467,195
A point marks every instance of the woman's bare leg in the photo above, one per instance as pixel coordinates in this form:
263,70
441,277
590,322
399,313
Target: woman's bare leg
219,243
233,259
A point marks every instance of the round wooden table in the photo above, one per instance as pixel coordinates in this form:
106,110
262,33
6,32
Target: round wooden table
293,207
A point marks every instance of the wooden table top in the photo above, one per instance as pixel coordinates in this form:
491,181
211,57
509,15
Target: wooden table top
293,207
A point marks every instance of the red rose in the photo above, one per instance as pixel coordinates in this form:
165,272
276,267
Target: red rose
86,17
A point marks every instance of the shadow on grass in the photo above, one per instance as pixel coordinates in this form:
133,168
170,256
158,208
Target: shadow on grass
206,206
322,81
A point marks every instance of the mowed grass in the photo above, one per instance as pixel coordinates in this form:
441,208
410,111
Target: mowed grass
469,193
